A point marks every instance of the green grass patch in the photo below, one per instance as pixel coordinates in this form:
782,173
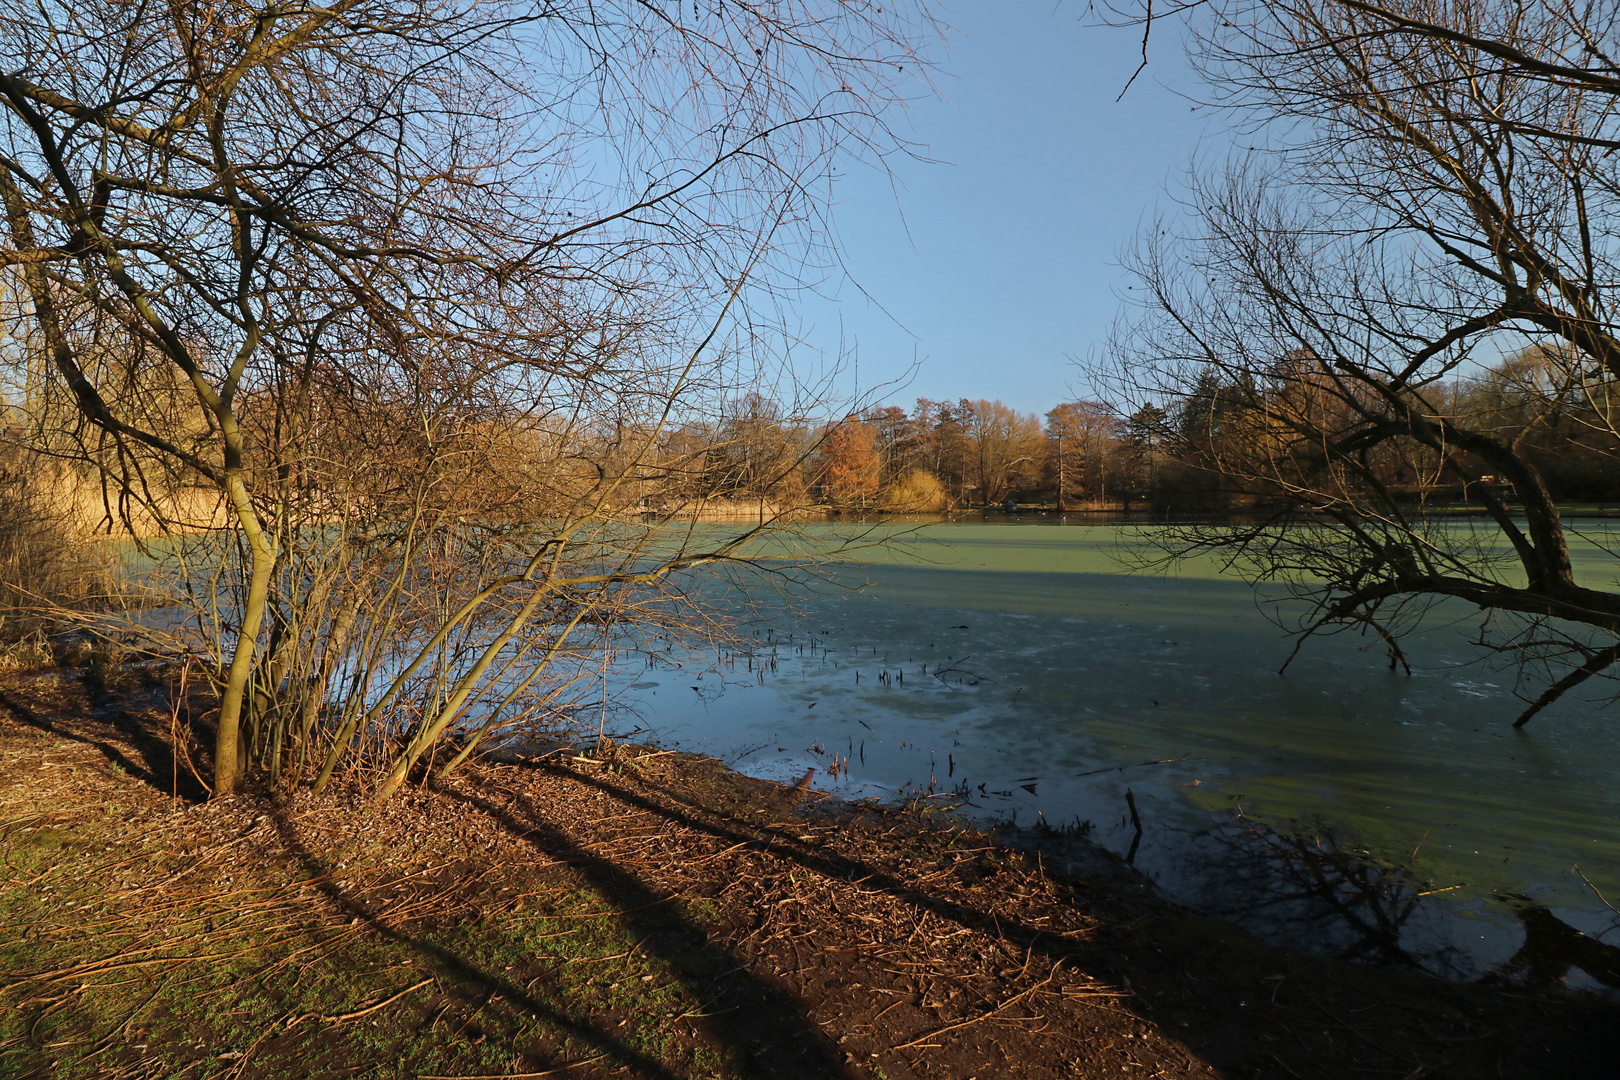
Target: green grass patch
230,971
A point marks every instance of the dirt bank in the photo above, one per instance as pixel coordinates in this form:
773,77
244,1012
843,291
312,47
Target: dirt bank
645,914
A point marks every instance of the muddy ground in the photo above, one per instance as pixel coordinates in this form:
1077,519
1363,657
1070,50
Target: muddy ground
638,913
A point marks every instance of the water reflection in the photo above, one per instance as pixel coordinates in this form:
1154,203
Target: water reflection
1551,948
1329,896
1306,885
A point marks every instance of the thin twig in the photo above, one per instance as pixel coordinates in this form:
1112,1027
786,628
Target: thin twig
345,1017
523,1075
986,1015
1603,899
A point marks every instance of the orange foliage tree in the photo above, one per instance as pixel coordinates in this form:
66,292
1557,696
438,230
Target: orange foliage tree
850,462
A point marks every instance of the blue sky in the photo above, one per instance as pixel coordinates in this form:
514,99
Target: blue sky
1002,261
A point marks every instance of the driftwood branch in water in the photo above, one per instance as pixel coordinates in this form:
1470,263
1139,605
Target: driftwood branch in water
1595,663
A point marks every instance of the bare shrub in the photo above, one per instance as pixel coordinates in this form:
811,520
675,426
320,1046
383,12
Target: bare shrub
918,491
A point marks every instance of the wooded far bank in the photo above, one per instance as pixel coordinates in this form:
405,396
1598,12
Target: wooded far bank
1170,456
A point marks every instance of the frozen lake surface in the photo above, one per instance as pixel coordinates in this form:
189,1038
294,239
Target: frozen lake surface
1339,807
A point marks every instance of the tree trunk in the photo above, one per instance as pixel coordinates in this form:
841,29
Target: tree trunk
227,742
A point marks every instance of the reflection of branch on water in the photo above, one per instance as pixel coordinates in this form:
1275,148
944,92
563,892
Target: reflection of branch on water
744,751
709,694
1353,906
1122,768
1136,841
1551,947
952,667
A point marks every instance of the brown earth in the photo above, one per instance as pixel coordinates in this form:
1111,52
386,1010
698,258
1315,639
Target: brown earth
640,913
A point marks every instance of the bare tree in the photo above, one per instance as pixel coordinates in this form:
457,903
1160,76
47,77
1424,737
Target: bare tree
1434,188
1007,447
346,271
1080,438
947,440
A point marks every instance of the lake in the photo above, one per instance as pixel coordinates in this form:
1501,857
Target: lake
1339,807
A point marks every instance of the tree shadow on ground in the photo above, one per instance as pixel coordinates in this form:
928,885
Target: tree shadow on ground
1249,1009
764,1029
132,745
765,838
763,1024
468,978
767,1033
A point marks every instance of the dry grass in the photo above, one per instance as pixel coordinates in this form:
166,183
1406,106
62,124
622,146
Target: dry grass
28,653
52,561
638,913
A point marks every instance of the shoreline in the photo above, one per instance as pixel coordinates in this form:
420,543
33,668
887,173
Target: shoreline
1320,920
646,913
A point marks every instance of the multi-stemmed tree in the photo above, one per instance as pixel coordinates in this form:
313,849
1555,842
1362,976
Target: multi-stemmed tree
384,311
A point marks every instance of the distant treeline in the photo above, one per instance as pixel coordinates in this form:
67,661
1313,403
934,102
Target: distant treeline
947,455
